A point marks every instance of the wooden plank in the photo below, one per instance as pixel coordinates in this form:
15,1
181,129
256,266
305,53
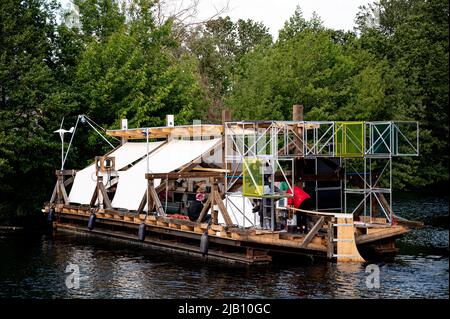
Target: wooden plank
186,227
69,181
184,174
94,197
142,203
346,245
156,201
204,210
198,229
127,218
55,192
106,200
163,132
217,227
330,237
65,172
208,169
64,193
314,230
223,209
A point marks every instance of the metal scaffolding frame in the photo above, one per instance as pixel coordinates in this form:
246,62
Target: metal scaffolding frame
370,142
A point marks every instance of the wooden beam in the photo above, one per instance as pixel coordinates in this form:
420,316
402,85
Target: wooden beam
164,132
142,203
106,200
66,172
330,238
94,197
177,175
223,209
204,209
63,193
207,169
314,230
55,192
69,181
155,200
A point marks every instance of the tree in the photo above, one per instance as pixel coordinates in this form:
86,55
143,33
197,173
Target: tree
412,35
219,45
134,73
26,117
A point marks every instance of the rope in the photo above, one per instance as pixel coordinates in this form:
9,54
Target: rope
104,130
88,122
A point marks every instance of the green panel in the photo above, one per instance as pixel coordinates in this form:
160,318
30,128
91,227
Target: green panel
253,178
381,137
349,139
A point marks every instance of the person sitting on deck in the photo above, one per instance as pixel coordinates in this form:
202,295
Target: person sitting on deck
301,200
196,206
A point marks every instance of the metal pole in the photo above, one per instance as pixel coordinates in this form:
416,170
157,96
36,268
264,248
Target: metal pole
148,193
390,187
62,150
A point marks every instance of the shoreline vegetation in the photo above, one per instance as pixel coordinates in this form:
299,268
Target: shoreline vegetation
113,59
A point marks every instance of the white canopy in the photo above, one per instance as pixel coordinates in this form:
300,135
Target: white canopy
171,156
85,180
239,209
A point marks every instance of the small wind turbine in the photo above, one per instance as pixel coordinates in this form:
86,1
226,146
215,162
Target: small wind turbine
61,132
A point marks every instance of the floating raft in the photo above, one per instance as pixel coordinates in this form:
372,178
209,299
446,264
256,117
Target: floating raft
250,246
124,193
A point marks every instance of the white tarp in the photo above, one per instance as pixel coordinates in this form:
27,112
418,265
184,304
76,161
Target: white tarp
239,209
85,180
176,153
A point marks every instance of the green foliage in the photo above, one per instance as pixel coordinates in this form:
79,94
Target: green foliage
395,68
219,46
26,82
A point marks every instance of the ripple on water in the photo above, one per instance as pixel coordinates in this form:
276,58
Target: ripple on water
36,269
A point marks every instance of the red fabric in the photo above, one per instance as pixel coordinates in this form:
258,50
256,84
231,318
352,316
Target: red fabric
299,196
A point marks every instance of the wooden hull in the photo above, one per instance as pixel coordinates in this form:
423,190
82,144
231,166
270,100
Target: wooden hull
249,246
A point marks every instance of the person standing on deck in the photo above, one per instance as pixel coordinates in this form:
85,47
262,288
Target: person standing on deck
301,200
196,206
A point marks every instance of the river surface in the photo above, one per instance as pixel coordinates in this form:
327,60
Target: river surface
36,268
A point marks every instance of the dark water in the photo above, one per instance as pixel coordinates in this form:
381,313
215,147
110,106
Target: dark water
35,268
